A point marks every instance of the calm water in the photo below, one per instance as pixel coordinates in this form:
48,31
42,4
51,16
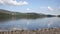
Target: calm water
30,23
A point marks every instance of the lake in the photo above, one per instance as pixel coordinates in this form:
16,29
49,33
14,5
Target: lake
30,24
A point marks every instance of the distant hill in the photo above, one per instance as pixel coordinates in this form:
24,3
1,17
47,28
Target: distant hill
9,14
4,11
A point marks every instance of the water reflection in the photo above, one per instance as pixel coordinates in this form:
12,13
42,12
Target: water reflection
31,23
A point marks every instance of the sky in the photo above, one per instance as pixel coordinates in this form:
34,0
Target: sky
35,6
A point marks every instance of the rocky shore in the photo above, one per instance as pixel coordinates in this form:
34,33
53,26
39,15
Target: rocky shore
39,31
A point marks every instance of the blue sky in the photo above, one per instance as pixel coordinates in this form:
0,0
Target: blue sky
37,6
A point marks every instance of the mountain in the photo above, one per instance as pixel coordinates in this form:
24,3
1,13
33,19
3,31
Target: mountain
10,14
7,12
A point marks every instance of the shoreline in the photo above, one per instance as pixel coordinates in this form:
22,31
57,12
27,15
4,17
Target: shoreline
39,31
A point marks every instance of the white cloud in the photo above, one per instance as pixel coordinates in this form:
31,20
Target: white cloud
13,2
28,9
59,7
47,9
50,9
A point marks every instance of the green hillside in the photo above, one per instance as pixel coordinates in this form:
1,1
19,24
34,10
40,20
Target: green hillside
9,14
